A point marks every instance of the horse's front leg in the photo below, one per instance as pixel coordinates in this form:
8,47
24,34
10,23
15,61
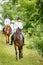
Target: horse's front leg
20,53
16,52
8,39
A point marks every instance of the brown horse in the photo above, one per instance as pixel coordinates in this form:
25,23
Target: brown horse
7,33
18,44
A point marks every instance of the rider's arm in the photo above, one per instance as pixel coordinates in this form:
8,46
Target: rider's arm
5,22
15,27
21,26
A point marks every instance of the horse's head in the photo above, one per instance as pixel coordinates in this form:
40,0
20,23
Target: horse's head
18,31
8,27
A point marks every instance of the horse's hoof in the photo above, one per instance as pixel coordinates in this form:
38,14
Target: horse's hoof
24,44
21,56
6,43
16,59
10,44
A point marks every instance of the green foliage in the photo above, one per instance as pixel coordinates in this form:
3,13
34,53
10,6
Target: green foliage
36,40
31,13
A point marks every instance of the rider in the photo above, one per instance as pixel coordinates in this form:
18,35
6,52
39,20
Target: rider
7,22
17,24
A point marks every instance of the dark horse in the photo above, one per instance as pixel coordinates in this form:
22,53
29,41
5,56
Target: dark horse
7,33
18,43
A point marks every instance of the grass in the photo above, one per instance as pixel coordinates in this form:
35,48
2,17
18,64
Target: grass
7,55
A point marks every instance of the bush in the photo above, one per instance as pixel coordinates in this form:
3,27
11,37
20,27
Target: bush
36,42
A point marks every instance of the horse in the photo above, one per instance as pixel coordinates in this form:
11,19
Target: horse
18,44
7,33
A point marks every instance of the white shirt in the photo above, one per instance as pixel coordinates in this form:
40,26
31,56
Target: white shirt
7,22
18,24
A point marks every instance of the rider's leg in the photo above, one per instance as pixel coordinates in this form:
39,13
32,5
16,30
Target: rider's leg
10,30
12,38
3,29
23,38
